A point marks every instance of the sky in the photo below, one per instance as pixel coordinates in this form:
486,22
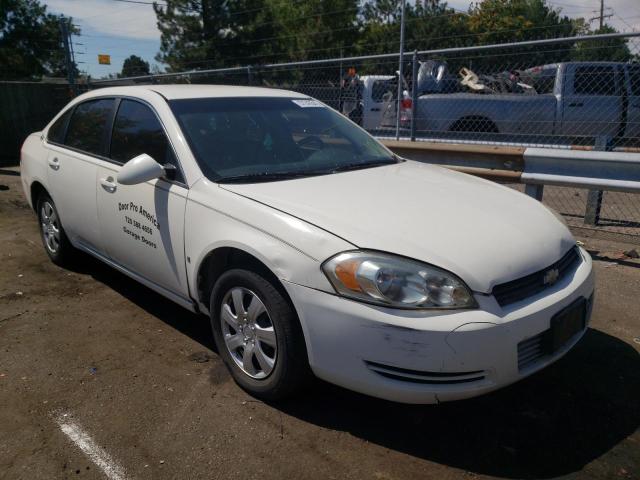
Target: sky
120,29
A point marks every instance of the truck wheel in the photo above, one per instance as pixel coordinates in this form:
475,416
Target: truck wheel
258,335
474,125
54,238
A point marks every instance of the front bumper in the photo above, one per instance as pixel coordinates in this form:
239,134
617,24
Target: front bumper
433,356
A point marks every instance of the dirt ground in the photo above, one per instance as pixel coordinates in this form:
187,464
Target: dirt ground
142,378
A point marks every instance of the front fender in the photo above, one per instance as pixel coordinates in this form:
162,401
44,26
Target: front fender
291,248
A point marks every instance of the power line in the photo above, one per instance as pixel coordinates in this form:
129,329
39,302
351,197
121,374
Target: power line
562,4
140,2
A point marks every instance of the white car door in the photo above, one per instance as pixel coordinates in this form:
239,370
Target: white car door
143,225
76,142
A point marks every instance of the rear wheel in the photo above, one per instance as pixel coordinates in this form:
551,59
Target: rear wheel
54,238
258,335
474,125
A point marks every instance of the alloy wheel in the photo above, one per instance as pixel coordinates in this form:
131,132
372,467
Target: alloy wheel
248,332
50,226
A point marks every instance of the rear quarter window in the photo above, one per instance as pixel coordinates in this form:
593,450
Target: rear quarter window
88,126
58,129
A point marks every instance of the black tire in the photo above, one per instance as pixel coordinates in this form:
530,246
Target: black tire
65,253
291,370
474,125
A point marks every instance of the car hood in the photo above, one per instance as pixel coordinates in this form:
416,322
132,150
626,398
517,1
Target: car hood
483,232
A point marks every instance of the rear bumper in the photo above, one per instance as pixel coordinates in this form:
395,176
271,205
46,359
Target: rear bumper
433,356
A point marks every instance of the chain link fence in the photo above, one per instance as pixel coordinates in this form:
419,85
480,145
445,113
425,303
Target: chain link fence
562,93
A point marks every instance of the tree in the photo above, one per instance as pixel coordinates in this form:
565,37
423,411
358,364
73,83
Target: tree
30,41
134,66
613,50
506,21
189,30
198,34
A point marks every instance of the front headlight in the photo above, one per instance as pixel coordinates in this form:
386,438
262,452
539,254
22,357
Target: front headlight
394,281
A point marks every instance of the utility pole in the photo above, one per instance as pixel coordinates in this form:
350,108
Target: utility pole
602,16
400,77
601,13
65,31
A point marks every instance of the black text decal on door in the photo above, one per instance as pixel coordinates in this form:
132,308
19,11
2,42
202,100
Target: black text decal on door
139,223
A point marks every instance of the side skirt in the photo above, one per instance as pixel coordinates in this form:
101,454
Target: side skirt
184,302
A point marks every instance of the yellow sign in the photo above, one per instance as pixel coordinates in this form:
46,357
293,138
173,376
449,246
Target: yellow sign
104,59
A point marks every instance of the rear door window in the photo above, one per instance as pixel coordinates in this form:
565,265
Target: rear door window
594,80
88,126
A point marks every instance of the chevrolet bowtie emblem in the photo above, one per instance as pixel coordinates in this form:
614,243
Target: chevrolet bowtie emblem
551,276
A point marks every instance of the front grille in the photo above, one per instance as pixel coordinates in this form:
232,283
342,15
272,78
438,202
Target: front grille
418,376
525,287
531,350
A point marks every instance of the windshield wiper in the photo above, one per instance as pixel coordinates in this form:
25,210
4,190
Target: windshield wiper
360,165
264,177
275,176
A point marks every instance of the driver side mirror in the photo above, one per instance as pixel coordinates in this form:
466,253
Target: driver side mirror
140,169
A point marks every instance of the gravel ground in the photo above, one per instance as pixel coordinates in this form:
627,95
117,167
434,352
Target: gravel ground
93,353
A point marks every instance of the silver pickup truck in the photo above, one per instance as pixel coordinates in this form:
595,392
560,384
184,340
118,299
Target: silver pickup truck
569,102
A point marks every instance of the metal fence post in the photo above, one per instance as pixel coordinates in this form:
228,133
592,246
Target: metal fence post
594,197
594,206
534,191
249,75
400,77
414,94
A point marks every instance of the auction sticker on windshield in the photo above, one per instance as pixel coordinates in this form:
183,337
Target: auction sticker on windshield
308,103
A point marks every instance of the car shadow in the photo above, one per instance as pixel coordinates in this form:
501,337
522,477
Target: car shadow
191,324
550,424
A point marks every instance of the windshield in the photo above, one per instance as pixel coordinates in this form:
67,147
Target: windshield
266,139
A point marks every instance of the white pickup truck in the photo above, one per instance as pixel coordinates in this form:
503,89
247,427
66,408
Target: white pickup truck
570,102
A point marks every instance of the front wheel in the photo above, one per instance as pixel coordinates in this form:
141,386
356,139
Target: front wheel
258,335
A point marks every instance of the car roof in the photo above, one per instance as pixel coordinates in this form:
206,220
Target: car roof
175,92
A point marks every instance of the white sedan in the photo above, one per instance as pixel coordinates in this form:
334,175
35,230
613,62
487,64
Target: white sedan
312,248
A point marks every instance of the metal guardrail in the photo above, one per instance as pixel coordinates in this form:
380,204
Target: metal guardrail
617,171
487,161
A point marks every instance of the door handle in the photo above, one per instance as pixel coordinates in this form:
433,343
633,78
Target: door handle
54,163
108,184
576,104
